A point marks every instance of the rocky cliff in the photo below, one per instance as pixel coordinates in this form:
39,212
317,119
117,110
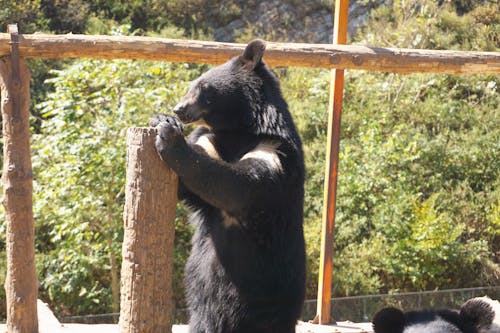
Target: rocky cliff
291,20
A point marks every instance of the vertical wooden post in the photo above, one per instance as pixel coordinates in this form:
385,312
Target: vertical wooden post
148,241
331,171
21,284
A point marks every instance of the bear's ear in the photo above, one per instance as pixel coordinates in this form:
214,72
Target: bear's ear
479,311
389,320
253,53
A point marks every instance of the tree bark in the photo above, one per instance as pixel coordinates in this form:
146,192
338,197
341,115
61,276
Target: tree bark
21,284
382,59
147,267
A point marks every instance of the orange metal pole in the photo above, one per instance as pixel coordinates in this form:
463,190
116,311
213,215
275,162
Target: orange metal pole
332,160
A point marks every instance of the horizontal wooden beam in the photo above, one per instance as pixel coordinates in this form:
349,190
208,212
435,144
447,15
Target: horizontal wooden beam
277,54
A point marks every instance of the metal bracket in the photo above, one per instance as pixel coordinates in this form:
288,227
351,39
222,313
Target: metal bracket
14,54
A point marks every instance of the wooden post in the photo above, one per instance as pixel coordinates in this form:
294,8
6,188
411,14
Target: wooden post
148,241
331,171
21,284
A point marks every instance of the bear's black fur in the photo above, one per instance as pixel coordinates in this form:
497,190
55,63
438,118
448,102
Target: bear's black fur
477,315
242,175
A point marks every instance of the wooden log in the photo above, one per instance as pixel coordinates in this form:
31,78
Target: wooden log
277,54
148,244
21,284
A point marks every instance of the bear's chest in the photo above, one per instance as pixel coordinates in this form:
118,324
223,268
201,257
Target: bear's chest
234,148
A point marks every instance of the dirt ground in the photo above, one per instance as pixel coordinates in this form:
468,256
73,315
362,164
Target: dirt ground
341,327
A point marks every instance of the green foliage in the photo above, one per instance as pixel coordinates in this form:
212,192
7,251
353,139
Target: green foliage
433,254
305,91
66,16
79,164
3,272
426,24
419,162
418,169
26,13
196,15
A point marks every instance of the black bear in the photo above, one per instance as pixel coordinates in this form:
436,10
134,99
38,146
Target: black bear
477,315
241,173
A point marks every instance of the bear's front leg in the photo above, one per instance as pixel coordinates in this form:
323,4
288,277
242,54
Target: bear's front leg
231,187
166,137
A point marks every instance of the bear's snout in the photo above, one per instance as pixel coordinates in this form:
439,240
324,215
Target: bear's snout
188,112
180,110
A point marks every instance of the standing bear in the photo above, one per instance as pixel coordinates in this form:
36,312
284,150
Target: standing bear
241,173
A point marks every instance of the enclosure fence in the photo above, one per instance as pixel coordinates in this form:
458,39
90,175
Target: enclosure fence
21,281
355,308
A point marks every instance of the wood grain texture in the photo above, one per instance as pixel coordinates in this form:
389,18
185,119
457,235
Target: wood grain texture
21,284
277,54
148,241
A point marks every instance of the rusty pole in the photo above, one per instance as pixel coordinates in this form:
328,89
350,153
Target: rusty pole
332,160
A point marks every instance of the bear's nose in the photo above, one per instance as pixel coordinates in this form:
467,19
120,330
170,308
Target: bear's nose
179,108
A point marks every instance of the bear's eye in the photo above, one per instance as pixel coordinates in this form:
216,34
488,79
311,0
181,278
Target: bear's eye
206,98
208,94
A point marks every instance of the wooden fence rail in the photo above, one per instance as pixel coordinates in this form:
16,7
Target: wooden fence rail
277,54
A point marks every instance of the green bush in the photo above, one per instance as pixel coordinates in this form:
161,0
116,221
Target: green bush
79,166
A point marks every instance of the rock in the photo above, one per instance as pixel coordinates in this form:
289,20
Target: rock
279,20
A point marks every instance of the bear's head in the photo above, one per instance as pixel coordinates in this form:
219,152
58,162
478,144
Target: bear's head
232,95
477,315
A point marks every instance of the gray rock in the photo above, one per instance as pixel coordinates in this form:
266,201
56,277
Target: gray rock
309,22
